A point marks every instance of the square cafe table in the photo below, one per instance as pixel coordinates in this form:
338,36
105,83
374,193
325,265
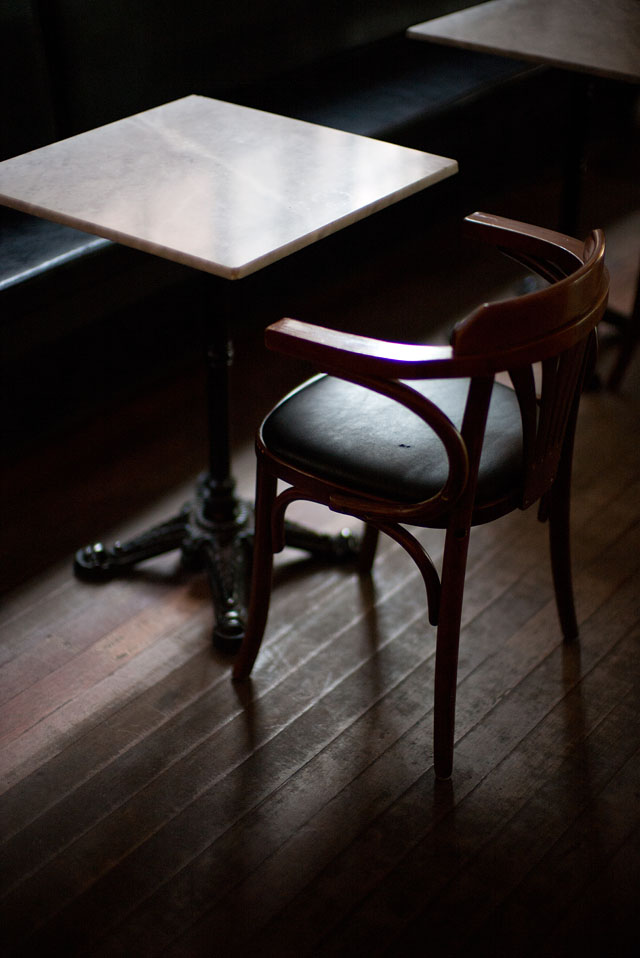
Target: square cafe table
227,190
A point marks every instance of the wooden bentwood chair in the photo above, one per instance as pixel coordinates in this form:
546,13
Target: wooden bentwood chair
423,435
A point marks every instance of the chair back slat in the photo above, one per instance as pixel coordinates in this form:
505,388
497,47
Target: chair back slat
552,272
561,381
523,380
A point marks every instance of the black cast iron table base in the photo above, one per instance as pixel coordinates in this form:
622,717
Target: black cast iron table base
216,536
215,531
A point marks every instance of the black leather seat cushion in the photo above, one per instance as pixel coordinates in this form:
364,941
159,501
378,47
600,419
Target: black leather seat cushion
355,437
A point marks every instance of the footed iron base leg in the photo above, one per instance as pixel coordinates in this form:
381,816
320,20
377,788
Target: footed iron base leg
221,546
341,546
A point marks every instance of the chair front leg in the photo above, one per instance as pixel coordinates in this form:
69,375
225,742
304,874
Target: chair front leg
261,574
447,644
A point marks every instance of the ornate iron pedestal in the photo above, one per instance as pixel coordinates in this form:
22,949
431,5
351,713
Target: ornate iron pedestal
214,532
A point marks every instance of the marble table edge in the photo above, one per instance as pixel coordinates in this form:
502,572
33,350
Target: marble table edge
414,33
239,270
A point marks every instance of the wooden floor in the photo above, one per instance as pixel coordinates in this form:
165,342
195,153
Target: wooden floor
151,807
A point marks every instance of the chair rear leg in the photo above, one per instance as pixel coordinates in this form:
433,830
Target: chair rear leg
560,547
447,645
558,511
261,574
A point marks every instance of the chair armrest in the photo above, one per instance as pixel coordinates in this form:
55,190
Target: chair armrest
350,355
382,366
518,240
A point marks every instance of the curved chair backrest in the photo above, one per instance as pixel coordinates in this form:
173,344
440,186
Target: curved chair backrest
563,313
554,326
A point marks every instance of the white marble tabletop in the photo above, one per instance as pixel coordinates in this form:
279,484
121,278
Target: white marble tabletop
223,188
601,37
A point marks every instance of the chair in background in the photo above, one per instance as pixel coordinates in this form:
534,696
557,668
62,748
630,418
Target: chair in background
400,434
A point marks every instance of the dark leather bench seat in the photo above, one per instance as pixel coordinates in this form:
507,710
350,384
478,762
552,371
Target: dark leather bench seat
387,89
31,246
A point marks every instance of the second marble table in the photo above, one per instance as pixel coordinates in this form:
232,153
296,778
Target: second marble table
589,38
226,190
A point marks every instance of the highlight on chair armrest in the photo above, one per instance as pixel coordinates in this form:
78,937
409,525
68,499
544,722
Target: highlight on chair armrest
347,352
